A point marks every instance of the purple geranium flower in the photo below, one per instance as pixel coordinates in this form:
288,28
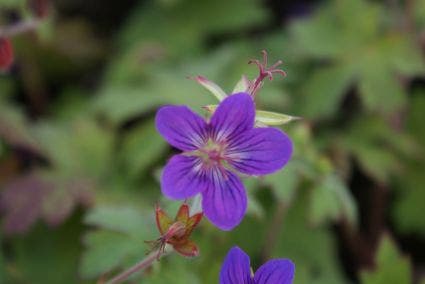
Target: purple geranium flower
213,151
236,269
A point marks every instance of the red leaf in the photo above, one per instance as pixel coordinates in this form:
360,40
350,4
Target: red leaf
32,197
21,202
6,53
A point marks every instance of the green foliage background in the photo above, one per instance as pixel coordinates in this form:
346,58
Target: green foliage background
80,156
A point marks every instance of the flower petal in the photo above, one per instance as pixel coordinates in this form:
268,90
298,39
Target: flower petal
181,127
187,248
275,271
234,115
236,268
224,201
182,177
260,151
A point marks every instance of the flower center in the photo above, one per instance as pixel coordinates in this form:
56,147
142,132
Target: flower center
212,154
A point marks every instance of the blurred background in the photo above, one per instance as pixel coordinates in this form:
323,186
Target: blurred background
80,156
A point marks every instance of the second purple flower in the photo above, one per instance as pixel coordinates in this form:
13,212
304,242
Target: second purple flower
215,151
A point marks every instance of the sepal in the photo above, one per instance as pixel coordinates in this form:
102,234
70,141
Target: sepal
212,87
264,117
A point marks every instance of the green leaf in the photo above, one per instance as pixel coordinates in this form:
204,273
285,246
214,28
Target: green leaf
118,240
107,250
318,36
324,91
178,28
300,242
284,182
404,54
141,147
391,267
379,88
332,200
178,270
77,147
12,3
37,253
410,189
254,207
15,130
126,220
411,193
372,142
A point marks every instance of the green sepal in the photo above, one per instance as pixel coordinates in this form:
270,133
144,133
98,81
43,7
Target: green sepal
273,118
242,85
212,87
265,117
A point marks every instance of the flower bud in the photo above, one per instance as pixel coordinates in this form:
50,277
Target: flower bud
176,232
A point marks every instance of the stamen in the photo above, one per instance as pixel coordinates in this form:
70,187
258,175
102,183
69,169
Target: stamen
264,72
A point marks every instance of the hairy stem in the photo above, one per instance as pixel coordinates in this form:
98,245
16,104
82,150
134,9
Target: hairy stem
143,264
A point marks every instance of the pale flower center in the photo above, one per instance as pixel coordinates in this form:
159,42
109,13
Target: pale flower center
212,154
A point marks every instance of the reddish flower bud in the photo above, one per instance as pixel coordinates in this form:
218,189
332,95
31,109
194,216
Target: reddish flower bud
39,8
176,232
6,54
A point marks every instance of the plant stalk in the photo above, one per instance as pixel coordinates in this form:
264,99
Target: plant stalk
143,264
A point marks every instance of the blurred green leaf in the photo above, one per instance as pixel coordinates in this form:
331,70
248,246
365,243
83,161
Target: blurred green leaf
300,243
79,147
177,270
377,147
15,130
370,52
419,13
142,146
325,90
410,189
378,85
126,220
180,32
284,182
36,254
332,200
391,267
107,250
118,240
12,3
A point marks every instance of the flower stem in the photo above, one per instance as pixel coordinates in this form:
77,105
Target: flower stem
143,264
